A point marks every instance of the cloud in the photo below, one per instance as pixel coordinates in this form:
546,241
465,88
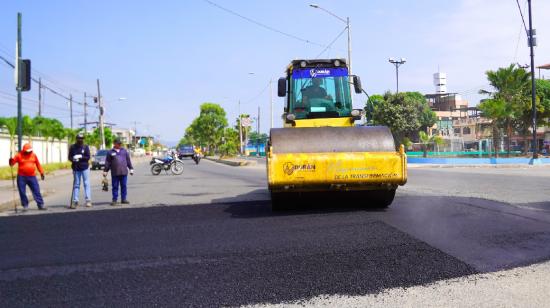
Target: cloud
483,35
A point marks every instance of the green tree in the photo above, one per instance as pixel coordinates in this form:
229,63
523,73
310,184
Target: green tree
426,141
508,102
71,134
245,130
230,144
371,105
10,124
28,127
109,137
94,138
209,126
404,113
57,132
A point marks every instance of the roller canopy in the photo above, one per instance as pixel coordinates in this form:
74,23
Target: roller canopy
332,139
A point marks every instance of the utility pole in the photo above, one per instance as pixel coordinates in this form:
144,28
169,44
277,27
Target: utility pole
71,108
85,114
240,130
101,114
135,133
258,141
17,68
532,43
39,96
349,46
397,64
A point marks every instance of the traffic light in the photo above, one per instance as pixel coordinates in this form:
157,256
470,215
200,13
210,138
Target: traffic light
24,75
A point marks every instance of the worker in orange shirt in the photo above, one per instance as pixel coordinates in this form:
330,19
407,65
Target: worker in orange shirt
26,175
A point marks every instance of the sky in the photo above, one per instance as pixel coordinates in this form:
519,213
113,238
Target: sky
167,57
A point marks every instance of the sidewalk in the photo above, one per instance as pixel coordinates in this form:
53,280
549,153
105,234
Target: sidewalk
8,192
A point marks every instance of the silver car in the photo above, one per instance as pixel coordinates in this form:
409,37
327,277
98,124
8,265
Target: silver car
98,161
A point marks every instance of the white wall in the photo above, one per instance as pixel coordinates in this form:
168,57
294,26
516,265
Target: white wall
56,151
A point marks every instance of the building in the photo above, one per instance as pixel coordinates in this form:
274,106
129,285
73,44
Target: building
125,135
143,141
447,107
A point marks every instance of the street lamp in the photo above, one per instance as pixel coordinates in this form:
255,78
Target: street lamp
346,21
397,64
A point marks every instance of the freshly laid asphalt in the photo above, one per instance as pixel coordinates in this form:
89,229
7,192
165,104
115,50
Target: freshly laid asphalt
209,238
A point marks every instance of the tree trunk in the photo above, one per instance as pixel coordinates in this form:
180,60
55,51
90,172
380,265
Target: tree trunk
495,140
509,141
12,146
60,156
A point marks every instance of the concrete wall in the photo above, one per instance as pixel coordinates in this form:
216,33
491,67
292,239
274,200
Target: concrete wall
47,152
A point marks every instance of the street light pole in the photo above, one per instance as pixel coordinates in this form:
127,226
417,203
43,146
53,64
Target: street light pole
346,21
349,45
532,43
397,64
17,72
240,130
101,114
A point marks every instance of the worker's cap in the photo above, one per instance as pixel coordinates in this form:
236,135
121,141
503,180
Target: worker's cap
80,136
118,141
27,147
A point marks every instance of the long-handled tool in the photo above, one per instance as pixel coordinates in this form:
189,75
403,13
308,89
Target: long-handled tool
13,189
72,191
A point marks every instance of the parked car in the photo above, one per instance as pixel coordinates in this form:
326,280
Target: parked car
186,151
98,161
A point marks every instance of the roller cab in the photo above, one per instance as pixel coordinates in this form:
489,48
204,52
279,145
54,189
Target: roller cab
319,149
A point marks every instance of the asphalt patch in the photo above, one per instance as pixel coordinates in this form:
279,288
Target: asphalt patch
205,255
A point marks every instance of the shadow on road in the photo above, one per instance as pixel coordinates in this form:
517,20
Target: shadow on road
250,206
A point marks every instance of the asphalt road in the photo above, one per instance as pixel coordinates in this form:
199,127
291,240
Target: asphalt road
209,238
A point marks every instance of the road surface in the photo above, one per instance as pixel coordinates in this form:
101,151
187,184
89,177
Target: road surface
209,238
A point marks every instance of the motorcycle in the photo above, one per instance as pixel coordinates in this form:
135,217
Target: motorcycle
197,158
171,163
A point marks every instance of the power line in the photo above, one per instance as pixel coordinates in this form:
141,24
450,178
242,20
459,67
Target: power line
46,77
522,19
263,25
10,96
331,43
44,86
258,95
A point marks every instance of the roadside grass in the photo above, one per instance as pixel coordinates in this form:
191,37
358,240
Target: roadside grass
5,173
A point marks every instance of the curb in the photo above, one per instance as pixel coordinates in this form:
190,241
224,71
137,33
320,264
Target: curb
7,206
53,174
233,163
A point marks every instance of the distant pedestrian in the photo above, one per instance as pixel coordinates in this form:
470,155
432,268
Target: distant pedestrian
79,155
26,175
118,161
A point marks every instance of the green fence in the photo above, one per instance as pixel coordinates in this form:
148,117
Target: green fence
462,154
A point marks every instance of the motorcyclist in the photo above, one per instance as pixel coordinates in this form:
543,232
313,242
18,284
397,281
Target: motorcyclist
197,154
197,151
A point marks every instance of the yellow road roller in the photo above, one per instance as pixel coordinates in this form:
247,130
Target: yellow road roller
320,149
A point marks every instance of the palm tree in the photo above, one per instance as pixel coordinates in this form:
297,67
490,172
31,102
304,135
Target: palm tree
28,128
426,140
11,126
58,132
71,134
507,103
